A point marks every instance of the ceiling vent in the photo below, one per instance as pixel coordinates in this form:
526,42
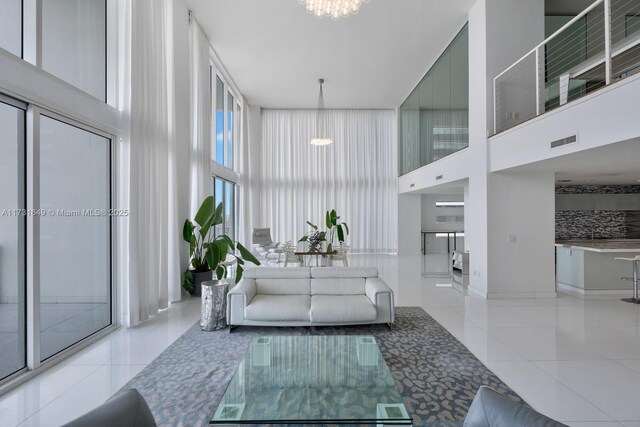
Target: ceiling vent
564,141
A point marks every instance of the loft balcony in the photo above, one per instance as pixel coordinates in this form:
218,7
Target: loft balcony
598,47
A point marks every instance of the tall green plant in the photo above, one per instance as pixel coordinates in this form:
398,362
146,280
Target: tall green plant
207,252
335,228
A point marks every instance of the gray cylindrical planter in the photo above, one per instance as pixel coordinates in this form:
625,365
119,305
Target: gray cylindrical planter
198,278
213,314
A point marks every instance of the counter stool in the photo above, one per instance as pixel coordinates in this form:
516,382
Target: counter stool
635,299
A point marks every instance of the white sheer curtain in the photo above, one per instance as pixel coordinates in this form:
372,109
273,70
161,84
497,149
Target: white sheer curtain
249,169
200,154
148,260
356,175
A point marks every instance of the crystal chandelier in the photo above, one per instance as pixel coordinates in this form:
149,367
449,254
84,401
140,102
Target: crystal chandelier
336,9
321,137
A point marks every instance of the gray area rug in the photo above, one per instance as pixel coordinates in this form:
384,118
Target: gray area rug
434,372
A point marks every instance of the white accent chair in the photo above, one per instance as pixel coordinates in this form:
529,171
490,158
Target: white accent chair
289,249
263,245
305,296
341,255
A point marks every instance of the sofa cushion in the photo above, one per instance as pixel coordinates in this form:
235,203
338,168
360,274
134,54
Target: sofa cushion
344,272
342,308
277,273
338,286
279,308
283,286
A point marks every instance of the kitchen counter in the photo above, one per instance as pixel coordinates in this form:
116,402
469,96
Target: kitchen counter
611,246
590,267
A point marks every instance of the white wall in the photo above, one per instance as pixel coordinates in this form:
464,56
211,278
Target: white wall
451,168
521,235
605,117
476,202
409,223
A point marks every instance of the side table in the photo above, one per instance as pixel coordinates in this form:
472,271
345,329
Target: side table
213,310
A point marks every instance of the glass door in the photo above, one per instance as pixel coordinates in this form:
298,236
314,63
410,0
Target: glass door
75,234
12,237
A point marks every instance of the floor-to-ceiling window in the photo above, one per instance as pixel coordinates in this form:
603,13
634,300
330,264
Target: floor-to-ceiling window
226,125
12,237
224,192
56,216
74,43
11,27
75,234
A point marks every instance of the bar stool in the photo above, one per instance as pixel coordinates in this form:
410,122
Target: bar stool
635,299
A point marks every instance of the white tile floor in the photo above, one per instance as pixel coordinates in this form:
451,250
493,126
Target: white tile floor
575,360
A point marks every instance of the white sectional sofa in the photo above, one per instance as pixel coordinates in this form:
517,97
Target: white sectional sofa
304,296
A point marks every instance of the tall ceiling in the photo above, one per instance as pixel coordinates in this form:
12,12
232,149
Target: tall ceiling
275,51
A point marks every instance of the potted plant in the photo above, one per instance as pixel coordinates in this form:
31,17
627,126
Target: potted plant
207,252
314,238
336,228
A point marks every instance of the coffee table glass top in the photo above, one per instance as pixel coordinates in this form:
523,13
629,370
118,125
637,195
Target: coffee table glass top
312,380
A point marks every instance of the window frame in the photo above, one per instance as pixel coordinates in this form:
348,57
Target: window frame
22,238
237,109
34,266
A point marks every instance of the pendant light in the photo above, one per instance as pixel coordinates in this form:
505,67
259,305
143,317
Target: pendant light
321,135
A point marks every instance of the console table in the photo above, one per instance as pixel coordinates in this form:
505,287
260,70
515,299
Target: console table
316,254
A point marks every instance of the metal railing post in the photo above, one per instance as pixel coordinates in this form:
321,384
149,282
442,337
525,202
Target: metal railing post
495,107
607,40
540,86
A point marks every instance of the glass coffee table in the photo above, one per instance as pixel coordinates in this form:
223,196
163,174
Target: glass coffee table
312,380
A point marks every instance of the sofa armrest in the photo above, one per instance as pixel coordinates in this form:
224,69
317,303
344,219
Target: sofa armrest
490,408
381,296
237,300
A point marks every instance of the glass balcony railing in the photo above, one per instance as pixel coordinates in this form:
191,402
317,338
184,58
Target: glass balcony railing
434,119
595,48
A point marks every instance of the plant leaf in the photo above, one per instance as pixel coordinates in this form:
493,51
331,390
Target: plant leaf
205,212
187,282
334,217
346,227
223,248
328,219
340,233
213,256
218,214
187,231
315,227
228,241
247,255
304,238
221,271
239,272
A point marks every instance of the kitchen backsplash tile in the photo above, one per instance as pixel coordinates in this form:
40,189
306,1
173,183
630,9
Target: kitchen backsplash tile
584,212
578,225
597,189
